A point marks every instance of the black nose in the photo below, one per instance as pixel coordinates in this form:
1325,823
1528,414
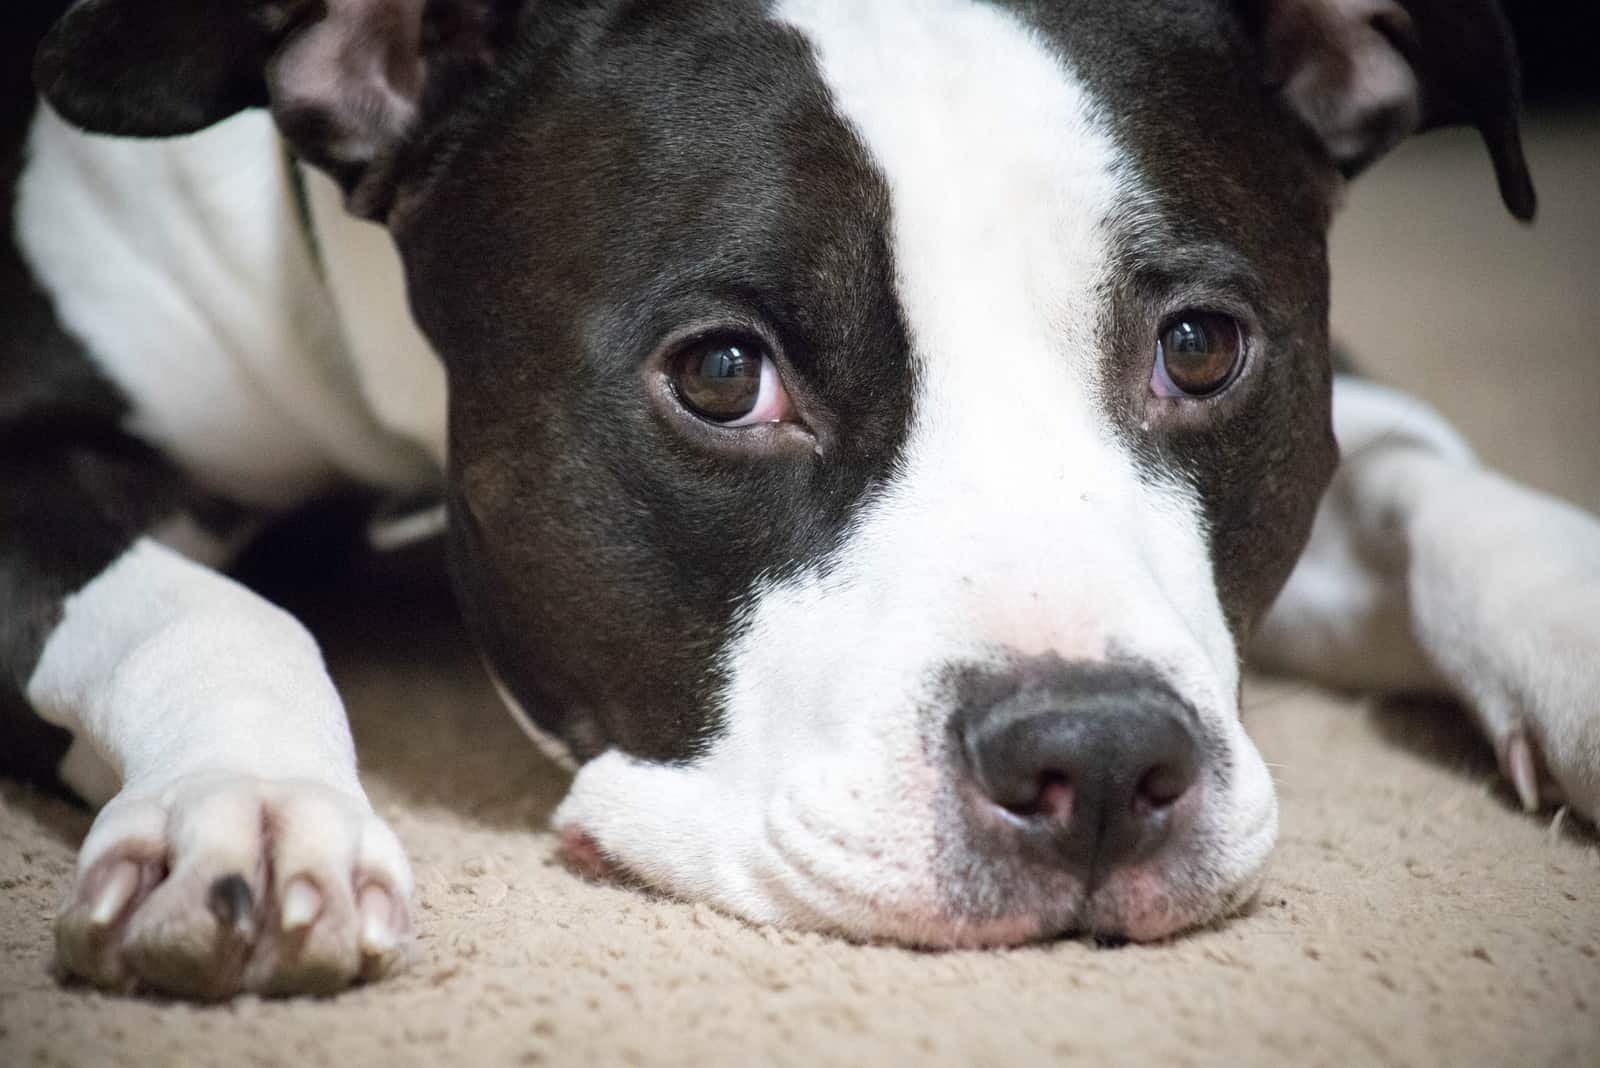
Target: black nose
1092,761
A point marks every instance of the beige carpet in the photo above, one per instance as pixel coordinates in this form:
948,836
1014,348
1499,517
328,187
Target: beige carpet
1412,917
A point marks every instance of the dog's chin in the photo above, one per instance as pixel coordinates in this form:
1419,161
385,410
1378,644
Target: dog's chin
1137,906
1141,904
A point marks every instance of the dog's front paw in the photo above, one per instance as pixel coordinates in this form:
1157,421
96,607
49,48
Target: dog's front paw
1543,716
218,885
1505,588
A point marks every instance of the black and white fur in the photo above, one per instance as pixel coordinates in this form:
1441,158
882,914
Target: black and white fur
957,226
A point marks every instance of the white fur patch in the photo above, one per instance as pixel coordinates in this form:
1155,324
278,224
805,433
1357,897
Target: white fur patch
1017,524
169,669
182,267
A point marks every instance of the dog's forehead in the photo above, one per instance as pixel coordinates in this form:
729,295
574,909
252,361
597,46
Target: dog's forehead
1179,90
1002,175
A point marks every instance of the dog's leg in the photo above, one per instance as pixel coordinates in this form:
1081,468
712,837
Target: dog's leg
1426,571
239,851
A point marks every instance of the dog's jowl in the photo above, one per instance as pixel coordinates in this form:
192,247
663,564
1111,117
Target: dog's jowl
869,435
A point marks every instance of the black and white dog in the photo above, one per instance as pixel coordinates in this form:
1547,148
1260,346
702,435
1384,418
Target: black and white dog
869,433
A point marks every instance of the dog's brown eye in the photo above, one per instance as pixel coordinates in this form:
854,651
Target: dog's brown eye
1197,354
730,381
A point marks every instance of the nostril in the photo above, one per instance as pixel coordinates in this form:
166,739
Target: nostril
1161,787
1055,795
1051,800
1050,797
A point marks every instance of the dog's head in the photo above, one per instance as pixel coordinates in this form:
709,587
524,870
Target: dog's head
874,427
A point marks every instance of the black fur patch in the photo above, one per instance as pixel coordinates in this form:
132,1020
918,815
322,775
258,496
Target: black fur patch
632,174
77,490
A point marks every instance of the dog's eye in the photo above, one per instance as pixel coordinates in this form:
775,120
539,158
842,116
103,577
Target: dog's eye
1198,353
730,381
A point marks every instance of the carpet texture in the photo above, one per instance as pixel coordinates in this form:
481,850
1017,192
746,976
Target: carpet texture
1412,916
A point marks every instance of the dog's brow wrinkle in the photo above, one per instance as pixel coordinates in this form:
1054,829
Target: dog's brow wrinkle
1161,255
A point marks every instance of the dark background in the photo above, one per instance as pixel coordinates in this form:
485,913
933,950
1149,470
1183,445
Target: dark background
1560,43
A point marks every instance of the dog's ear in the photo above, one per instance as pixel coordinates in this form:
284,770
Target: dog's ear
350,82
1364,74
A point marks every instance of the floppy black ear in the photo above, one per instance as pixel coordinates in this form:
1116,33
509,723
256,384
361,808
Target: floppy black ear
1364,74
348,81
144,70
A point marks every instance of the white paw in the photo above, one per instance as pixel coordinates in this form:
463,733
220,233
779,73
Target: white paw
1545,726
1505,589
217,885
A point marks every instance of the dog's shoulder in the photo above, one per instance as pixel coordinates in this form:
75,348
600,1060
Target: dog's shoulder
186,271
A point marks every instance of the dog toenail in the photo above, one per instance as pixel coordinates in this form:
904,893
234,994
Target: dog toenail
115,894
301,903
232,903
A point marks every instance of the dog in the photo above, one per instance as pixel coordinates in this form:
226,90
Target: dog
867,438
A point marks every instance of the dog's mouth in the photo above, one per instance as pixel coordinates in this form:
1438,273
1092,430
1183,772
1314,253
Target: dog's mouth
803,874
1133,907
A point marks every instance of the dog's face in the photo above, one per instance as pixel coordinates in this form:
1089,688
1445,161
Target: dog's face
874,429
818,391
